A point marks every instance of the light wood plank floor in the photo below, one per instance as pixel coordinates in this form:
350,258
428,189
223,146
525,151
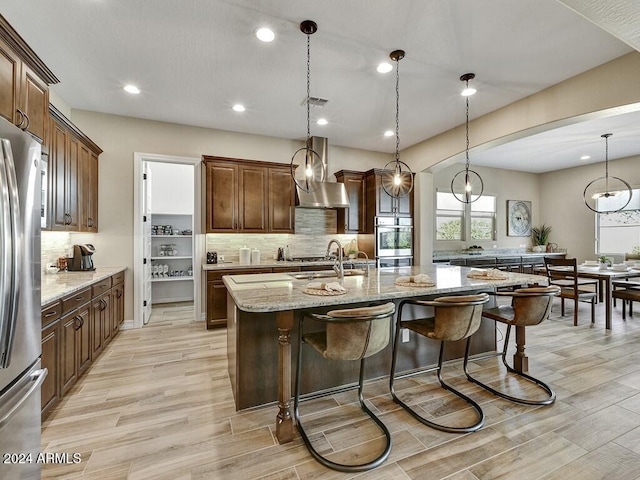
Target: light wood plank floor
158,405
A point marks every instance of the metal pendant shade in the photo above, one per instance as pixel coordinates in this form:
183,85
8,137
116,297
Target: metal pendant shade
607,194
467,185
307,168
397,179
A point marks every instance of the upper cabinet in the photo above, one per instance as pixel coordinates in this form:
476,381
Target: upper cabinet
73,176
383,204
247,196
24,83
353,219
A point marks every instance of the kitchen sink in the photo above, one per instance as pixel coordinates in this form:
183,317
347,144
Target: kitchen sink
325,274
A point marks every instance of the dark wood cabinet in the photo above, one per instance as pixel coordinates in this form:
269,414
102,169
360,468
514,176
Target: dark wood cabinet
282,198
24,83
73,176
380,204
75,330
51,351
352,219
248,196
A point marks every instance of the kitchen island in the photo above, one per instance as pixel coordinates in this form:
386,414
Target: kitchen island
262,313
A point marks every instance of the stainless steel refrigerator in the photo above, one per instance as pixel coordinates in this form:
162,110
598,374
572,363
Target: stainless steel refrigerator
20,326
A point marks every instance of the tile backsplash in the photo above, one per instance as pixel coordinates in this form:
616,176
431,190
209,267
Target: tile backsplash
314,228
52,246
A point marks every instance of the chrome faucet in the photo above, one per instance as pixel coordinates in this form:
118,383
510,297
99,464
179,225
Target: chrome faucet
366,263
337,264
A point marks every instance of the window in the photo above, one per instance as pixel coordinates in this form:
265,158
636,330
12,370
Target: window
458,221
619,233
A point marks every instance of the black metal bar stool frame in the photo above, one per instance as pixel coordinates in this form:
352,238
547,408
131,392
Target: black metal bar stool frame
520,293
482,298
376,462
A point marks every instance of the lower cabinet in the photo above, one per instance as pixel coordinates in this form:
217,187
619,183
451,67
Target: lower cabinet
75,330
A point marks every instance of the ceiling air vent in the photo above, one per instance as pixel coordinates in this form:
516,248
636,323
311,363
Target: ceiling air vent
315,102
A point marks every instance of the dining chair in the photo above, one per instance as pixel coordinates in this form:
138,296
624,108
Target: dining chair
350,334
563,272
629,293
529,307
454,318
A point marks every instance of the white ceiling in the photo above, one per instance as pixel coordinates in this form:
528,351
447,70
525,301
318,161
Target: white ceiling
193,59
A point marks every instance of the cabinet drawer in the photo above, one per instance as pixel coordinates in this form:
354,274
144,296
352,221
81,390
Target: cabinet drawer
101,287
77,299
117,278
217,275
51,313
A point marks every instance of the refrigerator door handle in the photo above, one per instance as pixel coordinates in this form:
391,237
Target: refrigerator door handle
37,377
8,327
6,258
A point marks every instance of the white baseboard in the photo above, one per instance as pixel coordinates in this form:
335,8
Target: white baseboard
158,301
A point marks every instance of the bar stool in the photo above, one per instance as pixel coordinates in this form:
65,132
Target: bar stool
351,334
529,306
455,318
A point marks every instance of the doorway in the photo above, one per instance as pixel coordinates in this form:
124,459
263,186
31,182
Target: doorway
167,234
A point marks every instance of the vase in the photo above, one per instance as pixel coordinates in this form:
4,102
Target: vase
538,248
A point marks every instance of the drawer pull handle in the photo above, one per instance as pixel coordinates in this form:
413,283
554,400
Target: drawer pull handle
50,314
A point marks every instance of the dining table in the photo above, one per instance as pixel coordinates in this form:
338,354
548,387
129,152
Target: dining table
605,277
252,300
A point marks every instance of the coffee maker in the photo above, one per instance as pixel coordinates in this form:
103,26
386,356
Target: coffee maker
82,260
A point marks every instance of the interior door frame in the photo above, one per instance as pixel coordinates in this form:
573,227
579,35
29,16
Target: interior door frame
138,256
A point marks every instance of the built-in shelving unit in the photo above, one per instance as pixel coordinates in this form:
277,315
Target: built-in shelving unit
171,258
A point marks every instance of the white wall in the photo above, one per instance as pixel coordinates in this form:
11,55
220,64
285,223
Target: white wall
171,188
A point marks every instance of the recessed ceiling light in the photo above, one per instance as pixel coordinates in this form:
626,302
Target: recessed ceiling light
384,67
131,89
238,108
467,92
585,157
389,133
265,34
322,121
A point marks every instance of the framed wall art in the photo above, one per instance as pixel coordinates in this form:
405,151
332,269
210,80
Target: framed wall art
518,218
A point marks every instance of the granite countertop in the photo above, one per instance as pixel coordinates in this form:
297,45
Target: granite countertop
282,263
489,254
277,292
58,285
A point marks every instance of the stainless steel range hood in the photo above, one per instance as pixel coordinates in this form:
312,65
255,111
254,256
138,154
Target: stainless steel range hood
324,194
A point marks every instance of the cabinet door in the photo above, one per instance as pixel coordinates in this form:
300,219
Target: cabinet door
252,199
96,319
117,304
353,219
216,304
222,197
89,190
34,102
69,355
72,184
386,203
282,199
9,83
83,340
56,194
106,318
50,391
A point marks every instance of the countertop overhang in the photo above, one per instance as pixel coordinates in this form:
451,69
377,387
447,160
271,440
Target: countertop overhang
286,294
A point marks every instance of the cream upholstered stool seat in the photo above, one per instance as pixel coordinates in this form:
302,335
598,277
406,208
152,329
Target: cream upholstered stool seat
529,306
455,318
350,334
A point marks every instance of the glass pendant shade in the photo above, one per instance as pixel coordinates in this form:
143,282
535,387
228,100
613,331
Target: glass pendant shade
607,194
467,185
307,168
397,178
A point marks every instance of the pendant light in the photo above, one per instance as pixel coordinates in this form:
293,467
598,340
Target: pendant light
607,194
467,181
312,172
397,179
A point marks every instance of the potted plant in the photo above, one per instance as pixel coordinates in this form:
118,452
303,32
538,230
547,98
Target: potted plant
604,262
539,237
